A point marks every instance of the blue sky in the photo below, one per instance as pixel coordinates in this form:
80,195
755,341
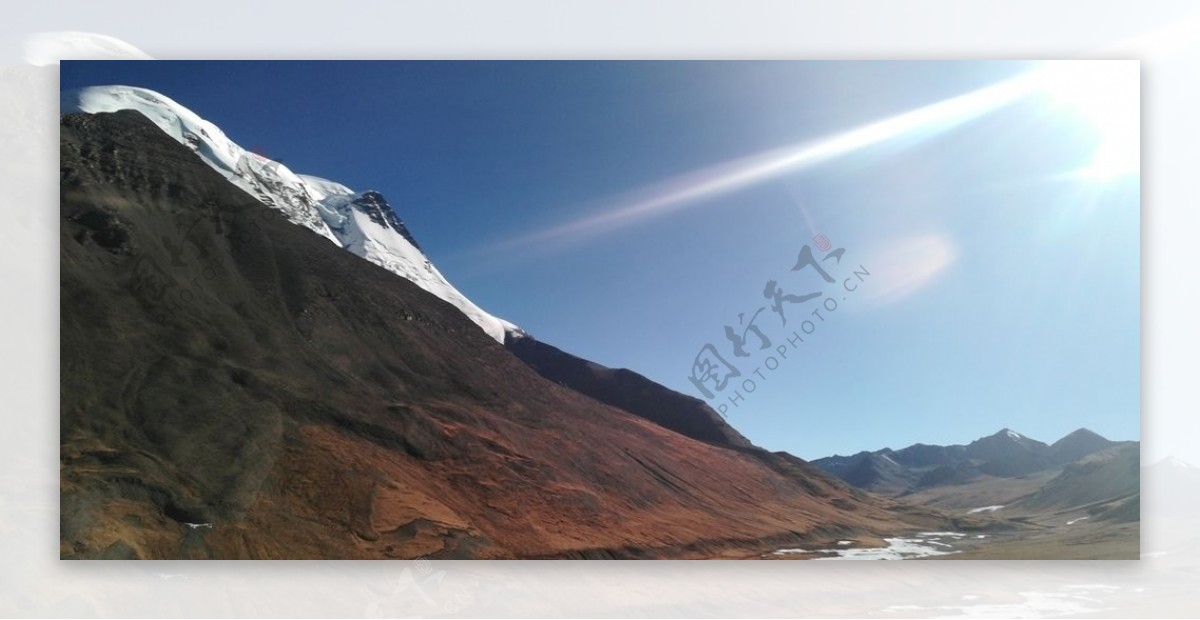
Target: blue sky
566,197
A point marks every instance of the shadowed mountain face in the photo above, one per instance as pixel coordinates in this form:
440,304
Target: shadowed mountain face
235,386
1077,445
627,390
1008,453
1098,479
877,471
924,455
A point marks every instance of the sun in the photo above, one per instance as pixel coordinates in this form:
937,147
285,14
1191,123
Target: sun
1106,95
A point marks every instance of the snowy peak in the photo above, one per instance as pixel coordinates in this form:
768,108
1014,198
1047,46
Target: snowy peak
268,181
377,208
366,225
1004,442
363,223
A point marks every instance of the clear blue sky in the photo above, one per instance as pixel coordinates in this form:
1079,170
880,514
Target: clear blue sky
1004,287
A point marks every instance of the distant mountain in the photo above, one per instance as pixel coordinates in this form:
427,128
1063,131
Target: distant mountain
924,455
1008,453
1004,454
1077,445
875,471
1102,477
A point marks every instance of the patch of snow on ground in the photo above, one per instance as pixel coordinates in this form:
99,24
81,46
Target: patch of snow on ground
896,549
984,509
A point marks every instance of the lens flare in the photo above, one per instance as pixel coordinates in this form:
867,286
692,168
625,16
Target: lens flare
904,266
684,190
1103,92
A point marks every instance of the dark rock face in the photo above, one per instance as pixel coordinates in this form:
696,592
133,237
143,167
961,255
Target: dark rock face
377,208
627,390
924,455
103,229
878,472
235,386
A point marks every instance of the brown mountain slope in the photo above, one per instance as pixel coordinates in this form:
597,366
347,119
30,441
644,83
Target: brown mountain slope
234,386
627,390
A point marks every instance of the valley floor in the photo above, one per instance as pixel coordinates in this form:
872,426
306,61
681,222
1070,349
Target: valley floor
1075,542
1057,536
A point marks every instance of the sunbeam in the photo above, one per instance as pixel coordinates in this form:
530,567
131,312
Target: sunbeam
684,190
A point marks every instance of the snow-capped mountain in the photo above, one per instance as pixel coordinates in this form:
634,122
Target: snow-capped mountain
361,222
365,224
270,182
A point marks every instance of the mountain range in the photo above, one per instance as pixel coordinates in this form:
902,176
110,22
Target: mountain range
1005,454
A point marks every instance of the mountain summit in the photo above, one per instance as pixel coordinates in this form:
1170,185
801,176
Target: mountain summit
361,222
1077,445
1008,453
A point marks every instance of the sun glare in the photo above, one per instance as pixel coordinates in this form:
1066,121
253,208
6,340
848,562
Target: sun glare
1106,95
